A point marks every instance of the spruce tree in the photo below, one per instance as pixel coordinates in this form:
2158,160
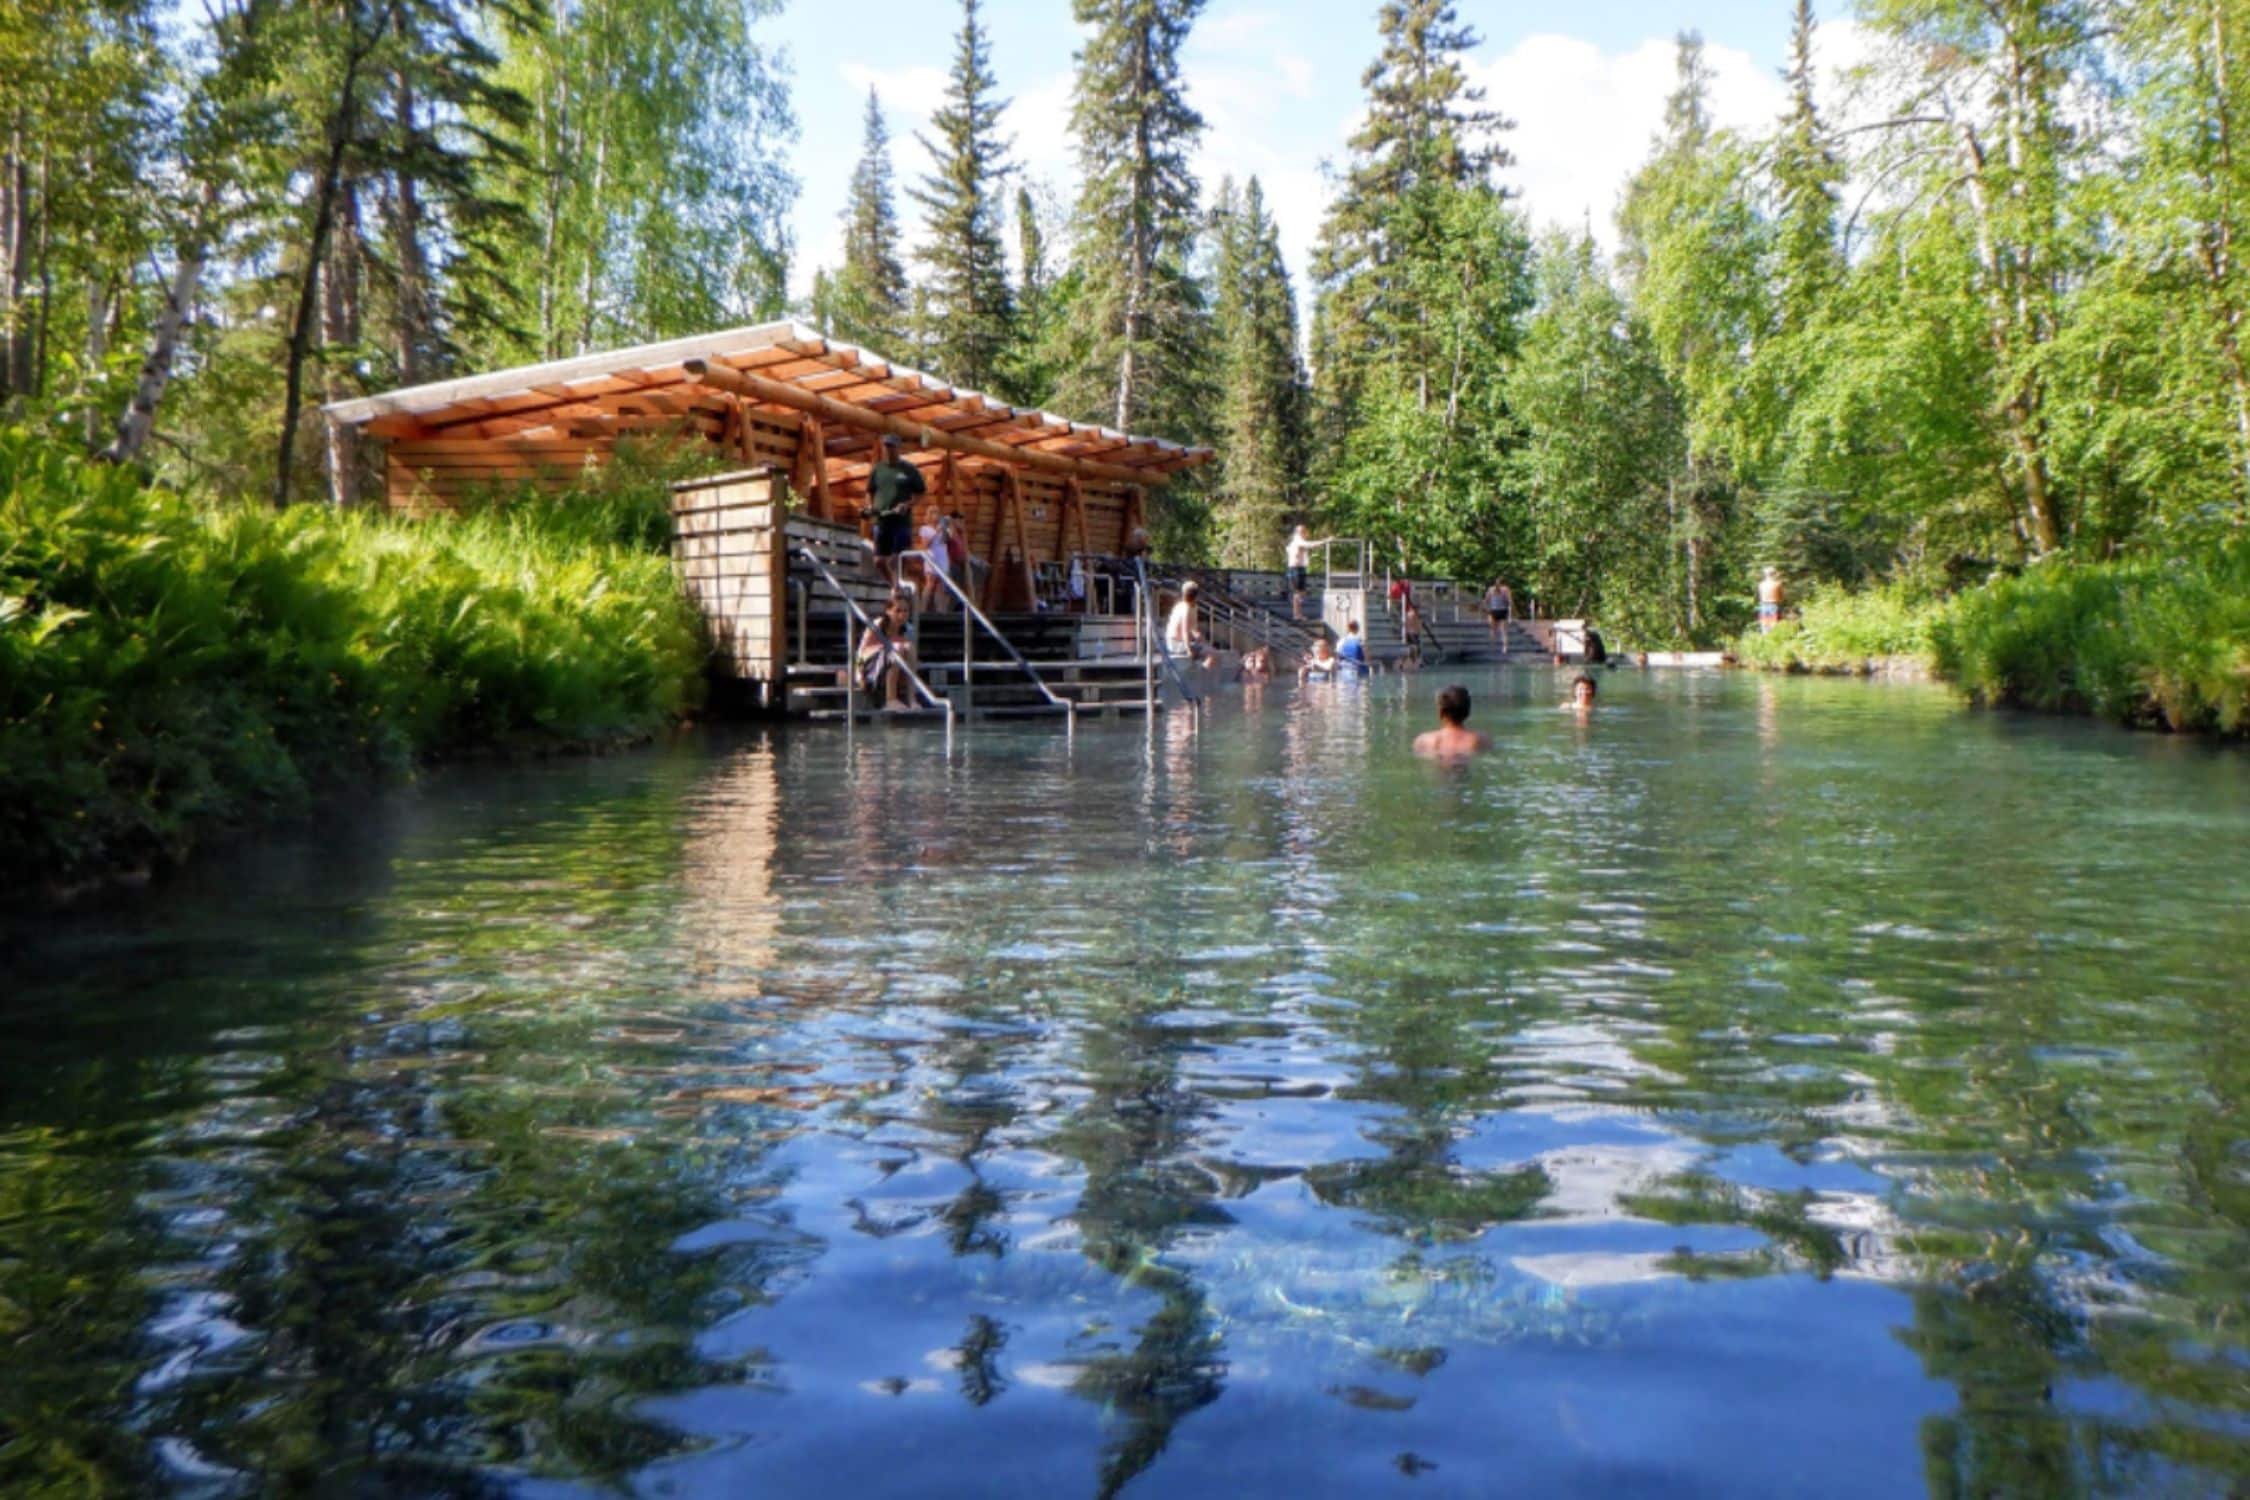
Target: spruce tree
1261,384
1426,127
1799,526
1042,342
969,312
1136,219
866,301
1806,174
1031,253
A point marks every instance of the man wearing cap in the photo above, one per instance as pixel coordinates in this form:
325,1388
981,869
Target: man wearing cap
892,488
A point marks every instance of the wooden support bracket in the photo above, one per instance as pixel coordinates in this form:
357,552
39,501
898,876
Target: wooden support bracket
781,393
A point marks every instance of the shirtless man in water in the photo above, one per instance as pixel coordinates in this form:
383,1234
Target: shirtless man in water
1453,737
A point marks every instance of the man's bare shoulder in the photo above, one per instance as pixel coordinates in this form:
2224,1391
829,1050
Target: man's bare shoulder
1440,742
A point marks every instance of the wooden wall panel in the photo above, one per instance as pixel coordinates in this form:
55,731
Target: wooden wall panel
728,544
422,475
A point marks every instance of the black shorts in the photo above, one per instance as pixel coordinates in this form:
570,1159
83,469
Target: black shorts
1498,614
1296,580
894,532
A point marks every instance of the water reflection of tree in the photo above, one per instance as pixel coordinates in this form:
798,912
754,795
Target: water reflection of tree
1422,1052
1133,1136
73,1242
2058,1211
442,1215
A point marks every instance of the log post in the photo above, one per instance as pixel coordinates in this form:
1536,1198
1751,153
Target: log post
812,450
1075,499
992,550
1023,539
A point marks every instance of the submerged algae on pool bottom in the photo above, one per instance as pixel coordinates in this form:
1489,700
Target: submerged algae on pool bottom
1767,1086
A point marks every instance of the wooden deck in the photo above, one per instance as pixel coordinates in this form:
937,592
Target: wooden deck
784,594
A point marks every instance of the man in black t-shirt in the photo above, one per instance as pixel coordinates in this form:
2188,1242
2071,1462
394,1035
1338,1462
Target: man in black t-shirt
892,488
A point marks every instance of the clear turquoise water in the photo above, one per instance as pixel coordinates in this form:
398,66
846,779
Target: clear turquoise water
1771,1087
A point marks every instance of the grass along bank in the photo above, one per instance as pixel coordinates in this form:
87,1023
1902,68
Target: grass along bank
1839,630
170,669
2147,642
2153,642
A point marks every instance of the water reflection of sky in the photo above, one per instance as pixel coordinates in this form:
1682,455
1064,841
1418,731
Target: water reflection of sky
1764,1087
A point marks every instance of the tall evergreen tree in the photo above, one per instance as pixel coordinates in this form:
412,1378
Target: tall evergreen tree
1031,254
1136,220
1426,127
866,301
970,311
1261,384
1423,466
1807,174
1043,343
1801,526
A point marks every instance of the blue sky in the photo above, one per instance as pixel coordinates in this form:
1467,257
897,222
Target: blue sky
1278,84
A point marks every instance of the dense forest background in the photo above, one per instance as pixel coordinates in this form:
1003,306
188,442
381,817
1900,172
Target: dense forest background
1997,319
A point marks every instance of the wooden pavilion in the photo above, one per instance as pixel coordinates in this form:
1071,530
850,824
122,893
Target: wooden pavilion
1034,487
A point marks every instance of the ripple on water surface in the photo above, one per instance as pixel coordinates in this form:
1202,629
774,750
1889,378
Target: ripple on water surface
1767,1087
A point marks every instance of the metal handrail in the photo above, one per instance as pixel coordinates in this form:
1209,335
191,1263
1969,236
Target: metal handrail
1095,579
969,607
1424,632
1269,627
1156,643
1256,623
851,656
1328,559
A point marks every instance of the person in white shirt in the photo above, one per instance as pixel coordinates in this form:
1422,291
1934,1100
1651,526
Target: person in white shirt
1298,554
937,548
1182,637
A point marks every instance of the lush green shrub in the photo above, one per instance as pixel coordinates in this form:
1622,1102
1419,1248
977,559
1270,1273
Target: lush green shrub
1842,630
167,668
2155,641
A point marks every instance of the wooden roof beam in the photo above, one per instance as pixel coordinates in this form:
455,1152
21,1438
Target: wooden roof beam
782,393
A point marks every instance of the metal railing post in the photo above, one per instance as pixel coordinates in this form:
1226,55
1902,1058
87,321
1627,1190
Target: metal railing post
1148,659
973,615
855,616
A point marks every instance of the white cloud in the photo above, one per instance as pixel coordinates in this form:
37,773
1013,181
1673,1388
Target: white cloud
1039,120
1236,77
1585,117
908,93
1231,33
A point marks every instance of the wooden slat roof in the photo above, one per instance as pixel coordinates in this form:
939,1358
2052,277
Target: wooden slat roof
532,399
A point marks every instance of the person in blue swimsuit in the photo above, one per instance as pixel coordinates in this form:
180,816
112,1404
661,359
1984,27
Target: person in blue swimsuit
1351,653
